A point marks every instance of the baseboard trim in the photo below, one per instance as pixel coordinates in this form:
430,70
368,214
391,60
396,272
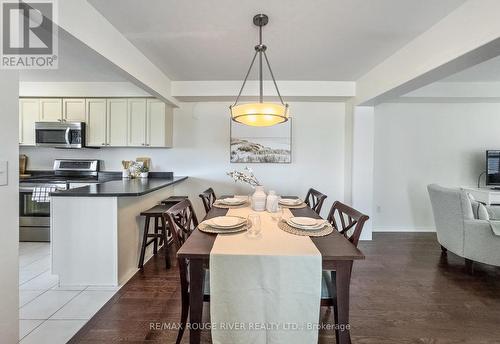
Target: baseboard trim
405,229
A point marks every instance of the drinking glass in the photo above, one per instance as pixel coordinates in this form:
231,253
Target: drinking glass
278,214
254,223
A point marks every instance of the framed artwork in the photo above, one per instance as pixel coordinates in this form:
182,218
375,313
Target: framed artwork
261,144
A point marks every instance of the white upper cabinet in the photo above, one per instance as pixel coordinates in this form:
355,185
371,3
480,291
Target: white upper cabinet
96,122
117,132
118,122
51,109
137,122
158,124
29,113
74,110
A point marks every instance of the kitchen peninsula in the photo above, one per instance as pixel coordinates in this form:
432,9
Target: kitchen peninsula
96,230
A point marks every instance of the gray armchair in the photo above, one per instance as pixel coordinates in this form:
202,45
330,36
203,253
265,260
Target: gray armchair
457,229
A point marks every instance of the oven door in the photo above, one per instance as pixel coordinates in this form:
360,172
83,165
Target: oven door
34,218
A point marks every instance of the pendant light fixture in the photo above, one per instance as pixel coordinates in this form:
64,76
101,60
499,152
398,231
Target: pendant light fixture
259,114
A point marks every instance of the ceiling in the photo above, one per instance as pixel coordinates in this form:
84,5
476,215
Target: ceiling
307,40
77,63
488,71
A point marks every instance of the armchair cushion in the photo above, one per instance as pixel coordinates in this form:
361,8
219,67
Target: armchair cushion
474,204
482,212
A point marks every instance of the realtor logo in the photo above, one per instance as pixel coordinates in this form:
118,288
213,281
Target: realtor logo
29,35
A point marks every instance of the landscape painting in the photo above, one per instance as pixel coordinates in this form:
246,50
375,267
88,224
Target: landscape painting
261,144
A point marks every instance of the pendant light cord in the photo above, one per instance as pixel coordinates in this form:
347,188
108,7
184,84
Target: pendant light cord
261,76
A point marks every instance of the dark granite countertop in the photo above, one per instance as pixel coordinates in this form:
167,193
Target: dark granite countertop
120,188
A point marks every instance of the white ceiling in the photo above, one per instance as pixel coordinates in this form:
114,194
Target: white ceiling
307,40
77,63
488,71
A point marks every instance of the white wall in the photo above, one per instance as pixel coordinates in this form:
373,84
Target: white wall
201,151
418,144
362,164
9,208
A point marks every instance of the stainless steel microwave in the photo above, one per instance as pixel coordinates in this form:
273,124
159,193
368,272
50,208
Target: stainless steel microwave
60,134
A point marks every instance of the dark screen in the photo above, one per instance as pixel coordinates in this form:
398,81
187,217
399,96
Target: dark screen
50,136
493,167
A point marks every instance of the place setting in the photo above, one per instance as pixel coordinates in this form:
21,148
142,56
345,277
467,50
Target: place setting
224,224
292,203
231,202
306,226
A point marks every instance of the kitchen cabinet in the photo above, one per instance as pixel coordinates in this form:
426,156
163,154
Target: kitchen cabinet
51,109
29,113
159,124
74,109
137,122
117,124
110,122
96,119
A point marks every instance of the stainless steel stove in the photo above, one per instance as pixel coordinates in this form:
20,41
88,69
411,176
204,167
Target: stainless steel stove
34,217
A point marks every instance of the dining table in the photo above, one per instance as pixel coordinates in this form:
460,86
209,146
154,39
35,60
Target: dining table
337,253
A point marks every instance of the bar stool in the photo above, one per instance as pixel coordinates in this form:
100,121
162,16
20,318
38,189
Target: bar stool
174,200
160,232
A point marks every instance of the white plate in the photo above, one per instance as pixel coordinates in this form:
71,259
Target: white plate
226,221
214,226
290,201
304,221
242,197
232,201
307,228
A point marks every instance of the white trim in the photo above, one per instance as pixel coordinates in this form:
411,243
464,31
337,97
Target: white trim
404,229
290,90
80,89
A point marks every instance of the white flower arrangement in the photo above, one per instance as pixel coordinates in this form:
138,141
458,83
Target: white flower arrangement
244,177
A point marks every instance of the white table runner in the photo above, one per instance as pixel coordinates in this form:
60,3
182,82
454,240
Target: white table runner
265,289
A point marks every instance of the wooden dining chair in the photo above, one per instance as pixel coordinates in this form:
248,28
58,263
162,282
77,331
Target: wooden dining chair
208,198
315,199
349,222
182,222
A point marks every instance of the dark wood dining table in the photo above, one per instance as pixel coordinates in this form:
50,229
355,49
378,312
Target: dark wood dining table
337,254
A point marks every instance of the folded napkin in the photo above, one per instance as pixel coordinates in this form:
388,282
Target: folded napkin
41,194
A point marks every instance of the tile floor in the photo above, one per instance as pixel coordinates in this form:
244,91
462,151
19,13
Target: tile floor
49,313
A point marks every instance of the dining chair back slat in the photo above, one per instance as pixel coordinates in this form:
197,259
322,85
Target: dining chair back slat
208,198
182,221
351,229
314,199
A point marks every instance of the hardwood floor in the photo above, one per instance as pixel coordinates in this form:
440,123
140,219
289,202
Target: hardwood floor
405,291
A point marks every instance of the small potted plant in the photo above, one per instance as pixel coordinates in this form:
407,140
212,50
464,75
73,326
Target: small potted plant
144,172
